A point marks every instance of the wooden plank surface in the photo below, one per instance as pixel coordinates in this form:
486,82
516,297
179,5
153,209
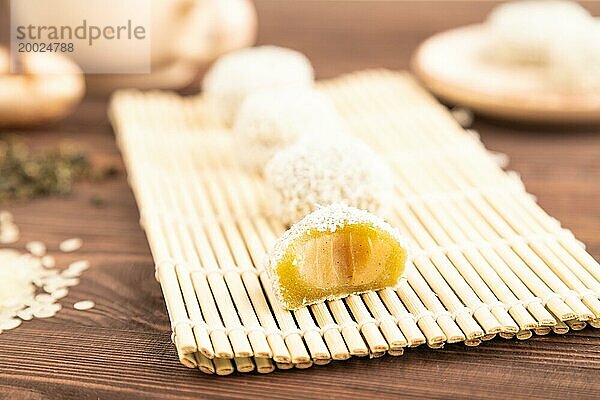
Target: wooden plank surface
121,349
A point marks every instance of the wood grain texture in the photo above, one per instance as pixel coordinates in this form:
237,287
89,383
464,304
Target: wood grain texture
121,348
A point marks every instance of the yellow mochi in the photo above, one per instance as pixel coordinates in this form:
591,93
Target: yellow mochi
334,252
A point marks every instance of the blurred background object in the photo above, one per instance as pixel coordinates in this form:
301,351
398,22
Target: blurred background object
49,86
185,36
532,60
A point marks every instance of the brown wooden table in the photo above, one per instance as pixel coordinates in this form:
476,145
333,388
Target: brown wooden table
121,349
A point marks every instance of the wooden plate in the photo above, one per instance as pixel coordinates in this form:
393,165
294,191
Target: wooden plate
455,67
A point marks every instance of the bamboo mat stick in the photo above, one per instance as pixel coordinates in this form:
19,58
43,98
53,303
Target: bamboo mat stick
337,341
569,243
304,365
252,233
183,336
542,330
563,281
253,286
264,365
460,231
243,364
284,366
405,320
219,289
524,301
387,323
311,332
172,235
506,336
459,312
195,315
526,224
331,332
423,317
223,366
524,334
199,326
204,364
523,260
349,332
560,328
367,325
222,351
312,335
255,333
425,235
514,270
441,315
576,325
563,262
446,281
182,333
209,264
203,256
291,332
187,359
250,280
441,230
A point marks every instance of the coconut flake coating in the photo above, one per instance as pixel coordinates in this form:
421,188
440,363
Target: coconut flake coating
269,120
239,73
322,171
325,219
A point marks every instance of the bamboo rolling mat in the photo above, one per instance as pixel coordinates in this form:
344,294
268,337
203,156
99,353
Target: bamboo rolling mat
486,259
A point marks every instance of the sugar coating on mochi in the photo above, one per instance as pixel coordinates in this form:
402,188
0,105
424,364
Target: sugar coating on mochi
313,173
237,74
270,120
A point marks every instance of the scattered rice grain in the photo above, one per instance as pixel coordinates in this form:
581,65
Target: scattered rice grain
9,233
36,248
70,245
44,298
463,116
25,314
75,269
47,311
59,293
48,261
70,282
10,323
84,305
22,273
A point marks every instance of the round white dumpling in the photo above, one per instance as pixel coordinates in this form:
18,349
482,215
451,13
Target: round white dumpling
239,73
270,120
524,32
313,173
575,60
